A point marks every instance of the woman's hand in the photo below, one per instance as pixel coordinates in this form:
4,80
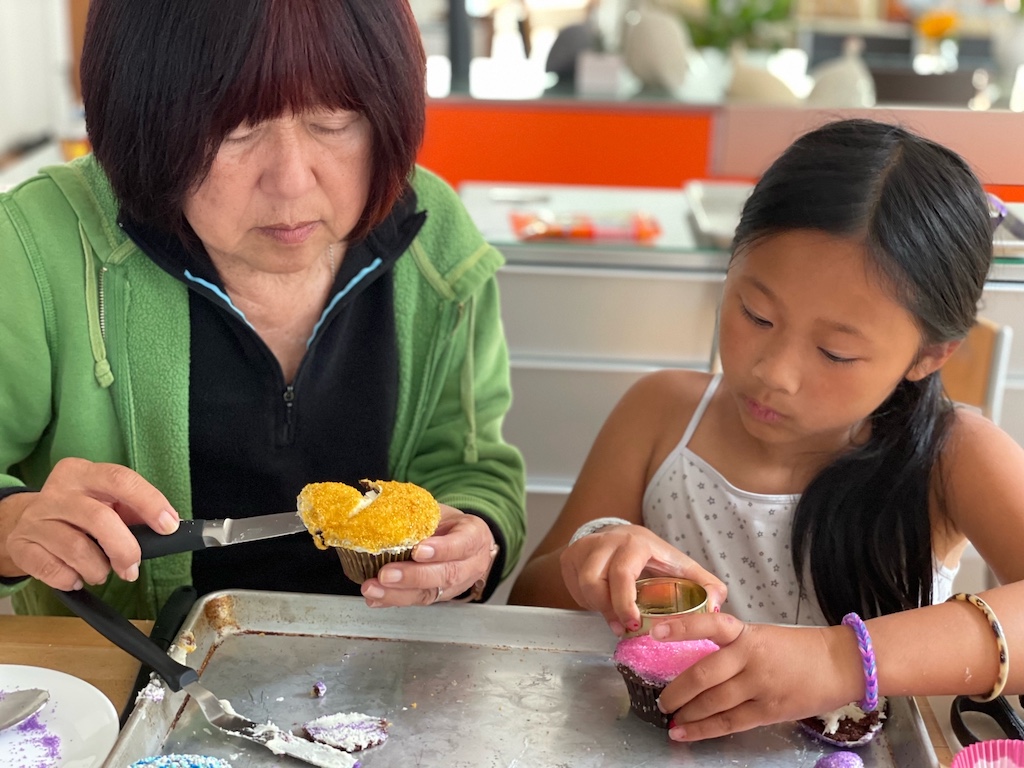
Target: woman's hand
600,570
761,674
458,555
75,529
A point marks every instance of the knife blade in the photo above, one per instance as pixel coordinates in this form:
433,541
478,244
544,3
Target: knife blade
194,535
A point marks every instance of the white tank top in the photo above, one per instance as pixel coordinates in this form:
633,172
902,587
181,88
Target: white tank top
741,537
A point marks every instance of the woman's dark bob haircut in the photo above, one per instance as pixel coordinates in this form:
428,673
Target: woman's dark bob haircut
164,81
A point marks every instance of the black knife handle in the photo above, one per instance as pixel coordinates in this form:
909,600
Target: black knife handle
122,633
165,629
188,538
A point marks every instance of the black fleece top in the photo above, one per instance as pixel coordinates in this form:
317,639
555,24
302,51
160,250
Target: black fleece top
255,440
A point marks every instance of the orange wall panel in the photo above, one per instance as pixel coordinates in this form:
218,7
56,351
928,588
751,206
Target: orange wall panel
1008,193
550,143
557,144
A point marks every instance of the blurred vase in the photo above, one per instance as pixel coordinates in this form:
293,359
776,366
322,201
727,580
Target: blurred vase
1008,47
656,47
844,81
756,85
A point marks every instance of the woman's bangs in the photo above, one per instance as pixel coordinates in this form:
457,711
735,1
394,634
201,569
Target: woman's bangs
293,66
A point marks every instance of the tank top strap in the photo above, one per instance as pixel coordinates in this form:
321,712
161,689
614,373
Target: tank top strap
701,407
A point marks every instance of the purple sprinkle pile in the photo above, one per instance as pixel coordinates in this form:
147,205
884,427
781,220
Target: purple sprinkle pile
38,746
842,759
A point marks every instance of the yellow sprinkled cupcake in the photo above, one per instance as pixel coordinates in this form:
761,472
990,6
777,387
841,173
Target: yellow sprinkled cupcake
368,530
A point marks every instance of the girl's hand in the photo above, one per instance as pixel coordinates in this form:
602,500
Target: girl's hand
600,571
458,555
75,529
761,674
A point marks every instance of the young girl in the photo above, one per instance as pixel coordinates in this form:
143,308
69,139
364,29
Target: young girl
823,475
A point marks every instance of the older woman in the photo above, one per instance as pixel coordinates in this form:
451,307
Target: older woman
246,288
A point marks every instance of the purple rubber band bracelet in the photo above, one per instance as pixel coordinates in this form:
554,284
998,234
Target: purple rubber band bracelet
867,656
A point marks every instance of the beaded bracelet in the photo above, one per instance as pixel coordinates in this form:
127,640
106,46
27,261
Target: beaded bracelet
867,656
1001,646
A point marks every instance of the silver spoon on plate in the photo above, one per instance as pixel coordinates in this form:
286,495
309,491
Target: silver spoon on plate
17,706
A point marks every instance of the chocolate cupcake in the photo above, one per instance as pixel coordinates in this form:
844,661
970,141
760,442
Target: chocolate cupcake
372,529
848,726
648,665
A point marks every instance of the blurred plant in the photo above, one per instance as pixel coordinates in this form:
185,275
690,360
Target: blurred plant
729,21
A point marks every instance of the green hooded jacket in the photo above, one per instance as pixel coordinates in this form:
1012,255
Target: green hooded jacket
94,363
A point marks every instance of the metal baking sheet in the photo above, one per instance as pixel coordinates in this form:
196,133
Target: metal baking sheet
463,686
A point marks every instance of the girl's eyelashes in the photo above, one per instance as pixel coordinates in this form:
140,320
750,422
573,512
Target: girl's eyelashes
836,358
758,321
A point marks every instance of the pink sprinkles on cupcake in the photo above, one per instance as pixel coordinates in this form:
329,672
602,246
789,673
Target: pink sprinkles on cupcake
660,662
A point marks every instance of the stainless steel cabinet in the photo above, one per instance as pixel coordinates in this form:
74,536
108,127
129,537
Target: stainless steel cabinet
579,337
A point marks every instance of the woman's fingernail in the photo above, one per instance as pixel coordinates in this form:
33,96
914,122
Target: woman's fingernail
132,573
424,552
374,603
167,523
676,732
717,609
389,576
79,584
373,591
633,626
659,631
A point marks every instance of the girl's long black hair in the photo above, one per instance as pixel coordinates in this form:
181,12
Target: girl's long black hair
862,529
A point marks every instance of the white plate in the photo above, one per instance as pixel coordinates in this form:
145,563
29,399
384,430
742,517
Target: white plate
76,729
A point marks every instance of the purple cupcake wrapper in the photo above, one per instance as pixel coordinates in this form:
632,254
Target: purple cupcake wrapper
808,725
643,697
826,739
360,566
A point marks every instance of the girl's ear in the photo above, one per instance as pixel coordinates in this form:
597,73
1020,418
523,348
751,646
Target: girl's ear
931,359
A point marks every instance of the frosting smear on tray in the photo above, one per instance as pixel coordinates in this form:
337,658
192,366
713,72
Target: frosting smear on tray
351,731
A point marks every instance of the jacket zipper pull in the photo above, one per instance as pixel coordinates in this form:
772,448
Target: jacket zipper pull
289,410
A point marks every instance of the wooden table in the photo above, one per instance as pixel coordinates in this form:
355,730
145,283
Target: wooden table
942,750
72,646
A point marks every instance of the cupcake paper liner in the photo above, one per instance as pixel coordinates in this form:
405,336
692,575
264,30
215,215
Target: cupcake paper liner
995,753
360,566
643,697
814,727
825,739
